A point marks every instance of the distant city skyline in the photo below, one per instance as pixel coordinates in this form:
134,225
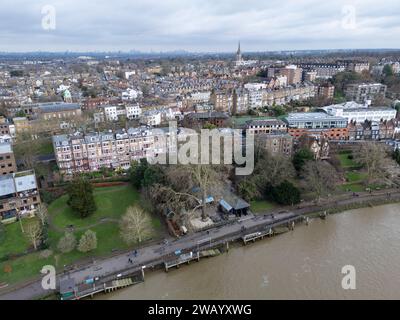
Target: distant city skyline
197,26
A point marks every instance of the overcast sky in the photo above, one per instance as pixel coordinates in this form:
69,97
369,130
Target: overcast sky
199,25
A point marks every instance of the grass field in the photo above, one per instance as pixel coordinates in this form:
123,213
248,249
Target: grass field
14,242
111,204
345,162
355,176
261,206
353,187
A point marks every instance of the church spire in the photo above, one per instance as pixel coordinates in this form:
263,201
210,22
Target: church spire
239,54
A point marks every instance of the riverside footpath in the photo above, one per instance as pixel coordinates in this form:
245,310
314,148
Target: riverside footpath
155,255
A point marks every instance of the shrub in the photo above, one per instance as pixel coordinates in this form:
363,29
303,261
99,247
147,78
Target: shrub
67,243
88,241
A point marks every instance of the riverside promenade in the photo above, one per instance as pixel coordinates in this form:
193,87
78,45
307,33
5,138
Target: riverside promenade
154,255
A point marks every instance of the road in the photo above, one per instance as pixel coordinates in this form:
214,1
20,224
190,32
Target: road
160,252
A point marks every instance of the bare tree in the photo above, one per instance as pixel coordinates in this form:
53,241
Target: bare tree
204,178
373,157
34,232
25,148
273,170
320,177
42,213
135,225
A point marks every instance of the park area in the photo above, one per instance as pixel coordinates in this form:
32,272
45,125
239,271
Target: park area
19,262
353,173
262,206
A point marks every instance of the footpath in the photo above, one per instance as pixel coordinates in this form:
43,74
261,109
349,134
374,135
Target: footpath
155,254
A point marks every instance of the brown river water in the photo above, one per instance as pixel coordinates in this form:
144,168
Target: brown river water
302,264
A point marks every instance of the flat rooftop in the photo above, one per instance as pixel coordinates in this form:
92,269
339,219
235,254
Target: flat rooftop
312,116
5,147
60,106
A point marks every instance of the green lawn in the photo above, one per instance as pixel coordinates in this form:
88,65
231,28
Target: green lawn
45,147
345,162
355,176
24,268
111,203
260,206
353,187
14,241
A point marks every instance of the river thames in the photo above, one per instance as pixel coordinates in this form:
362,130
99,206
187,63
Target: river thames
302,264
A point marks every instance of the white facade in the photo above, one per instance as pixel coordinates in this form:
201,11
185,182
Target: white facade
255,99
133,111
200,97
359,113
131,94
151,118
5,138
111,113
255,86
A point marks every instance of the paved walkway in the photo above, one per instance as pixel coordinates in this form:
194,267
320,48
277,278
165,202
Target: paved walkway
149,254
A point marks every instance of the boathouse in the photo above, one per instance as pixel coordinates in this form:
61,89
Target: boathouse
234,205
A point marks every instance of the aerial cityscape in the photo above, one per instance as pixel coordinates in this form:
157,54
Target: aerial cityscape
202,151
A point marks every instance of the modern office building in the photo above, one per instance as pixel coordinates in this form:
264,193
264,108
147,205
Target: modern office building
353,111
317,123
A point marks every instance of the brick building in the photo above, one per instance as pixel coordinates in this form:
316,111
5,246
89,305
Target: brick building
7,159
19,194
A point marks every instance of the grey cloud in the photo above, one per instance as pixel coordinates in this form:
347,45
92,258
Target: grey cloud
197,25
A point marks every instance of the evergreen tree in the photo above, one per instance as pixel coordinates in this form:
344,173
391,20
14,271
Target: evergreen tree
81,199
301,157
286,193
136,172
